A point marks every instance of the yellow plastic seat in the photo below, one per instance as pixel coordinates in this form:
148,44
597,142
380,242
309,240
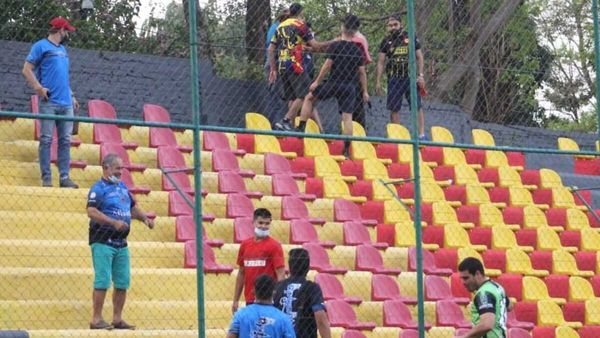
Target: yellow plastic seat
563,198
268,144
321,208
405,237
427,176
464,174
590,239
550,179
535,289
360,150
592,315
326,166
254,162
477,195
405,151
490,215
563,263
357,129
334,187
534,218
550,314
517,261
577,220
580,289
547,239
565,332
431,193
493,158
456,237
503,238
374,170
257,121
444,214
311,126
397,131
382,193
441,134
470,252
567,144
509,177
452,156
314,147
395,212
521,197
482,137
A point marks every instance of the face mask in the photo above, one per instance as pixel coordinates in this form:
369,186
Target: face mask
260,233
395,33
113,179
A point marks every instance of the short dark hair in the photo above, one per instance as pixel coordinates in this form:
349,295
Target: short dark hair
284,14
109,160
395,17
299,262
264,285
351,22
262,213
295,9
472,265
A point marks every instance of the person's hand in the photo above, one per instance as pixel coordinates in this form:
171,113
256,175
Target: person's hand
234,307
378,89
421,80
272,76
366,97
313,86
75,104
149,223
42,92
119,225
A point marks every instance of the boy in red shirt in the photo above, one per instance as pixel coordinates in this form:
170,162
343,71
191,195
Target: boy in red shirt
258,255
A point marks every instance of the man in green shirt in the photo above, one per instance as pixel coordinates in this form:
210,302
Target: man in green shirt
490,306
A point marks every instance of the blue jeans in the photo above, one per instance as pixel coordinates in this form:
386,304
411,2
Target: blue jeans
64,130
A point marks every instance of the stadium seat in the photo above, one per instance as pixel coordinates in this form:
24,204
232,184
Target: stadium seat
516,332
490,216
512,284
333,289
355,233
257,121
534,289
336,188
165,137
504,238
477,195
110,133
178,206
186,230
405,237
352,334
564,263
384,287
360,150
563,198
243,228
464,174
374,170
589,331
344,210
397,314
517,261
580,289
341,314
549,179
534,218
212,140
590,240
128,180
429,263
509,177
550,314
436,289
314,147
302,231
513,322
210,264
225,160
444,214
431,192
521,197
101,109
326,166
319,259
294,208
231,182
577,220
368,258
170,158
395,212
448,313
483,137
285,185
239,205
456,237
547,239
268,144
117,149
177,180
277,164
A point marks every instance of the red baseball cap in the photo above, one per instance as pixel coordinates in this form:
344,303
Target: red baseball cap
60,22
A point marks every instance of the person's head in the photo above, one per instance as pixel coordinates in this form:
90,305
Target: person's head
112,168
350,25
261,222
284,14
394,24
471,273
60,27
264,285
299,262
296,10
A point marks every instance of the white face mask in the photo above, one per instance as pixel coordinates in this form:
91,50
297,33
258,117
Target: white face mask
114,179
261,233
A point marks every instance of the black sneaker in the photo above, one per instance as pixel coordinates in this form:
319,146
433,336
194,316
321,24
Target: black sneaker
68,183
47,182
284,125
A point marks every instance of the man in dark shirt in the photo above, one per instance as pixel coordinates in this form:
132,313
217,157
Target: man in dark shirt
302,300
394,49
346,66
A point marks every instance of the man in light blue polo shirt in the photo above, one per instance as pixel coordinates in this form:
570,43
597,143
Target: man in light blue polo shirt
46,70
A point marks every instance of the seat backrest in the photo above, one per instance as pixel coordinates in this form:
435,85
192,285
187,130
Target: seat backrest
395,212
482,137
566,332
374,170
311,126
330,285
224,160
427,257
368,256
592,314
162,137
509,177
335,187
547,239
355,233
441,134
301,231
577,219
353,334
170,157
580,289
257,121
293,208
326,166
477,194
396,313
503,237
104,133
467,252
243,229
431,192
397,131
230,182
114,148
565,143
340,313
126,178
534,289
266,144
345,210
550,179
155,113
455,236
239,205
101,109
443,213
563,262
563,198
590,239
360,150
496,159
318,256
490,215
549,313
276,164
515,332
283,185
180,180
533,217
464,174
448,313
314,147
212,140
357,129
383,287
436,288
517,261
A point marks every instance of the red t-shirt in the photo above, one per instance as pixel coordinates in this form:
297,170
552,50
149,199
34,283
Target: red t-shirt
256,258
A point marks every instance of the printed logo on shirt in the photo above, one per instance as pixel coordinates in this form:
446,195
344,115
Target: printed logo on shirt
287,301
254,262
259,327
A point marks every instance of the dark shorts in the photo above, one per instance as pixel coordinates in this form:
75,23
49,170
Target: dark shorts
344,93
295,86
397,88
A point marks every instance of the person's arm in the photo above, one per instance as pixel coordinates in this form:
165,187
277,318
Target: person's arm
272,65
323,324
319,46
379,72
486,324
99,217
231,335
362,76
280,273
234,327
138,214
28,73
324,71
239,286
420,66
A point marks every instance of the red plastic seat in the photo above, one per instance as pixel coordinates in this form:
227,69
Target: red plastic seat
302,231
333,289
155,113
303,165
185,230
277,164
446,258
106,132
512,284
117,149
165,137
355,233
230,182
344,210
239,205
397,314
399,170
489,175
595,282
429,265
373,210
494,259
178,205
589,331
368,258
513,322
444,173
513,215
242,229
523,312
128,180
212,140
170,158
177,180
225,160
457,287
448,313
436,289
285,185
409,333
384,287
544,332
210,264
516,332
294,208
558,286
353,334
341,314
101,109
319,259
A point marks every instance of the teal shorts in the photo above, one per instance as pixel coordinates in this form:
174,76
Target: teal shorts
110,264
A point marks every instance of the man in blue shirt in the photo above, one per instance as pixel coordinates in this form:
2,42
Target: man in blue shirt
261,319
46,69
111,207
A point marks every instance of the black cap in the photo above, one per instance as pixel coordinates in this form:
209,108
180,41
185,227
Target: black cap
295,9
351,22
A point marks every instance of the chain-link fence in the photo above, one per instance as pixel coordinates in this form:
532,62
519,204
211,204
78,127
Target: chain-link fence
495,160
